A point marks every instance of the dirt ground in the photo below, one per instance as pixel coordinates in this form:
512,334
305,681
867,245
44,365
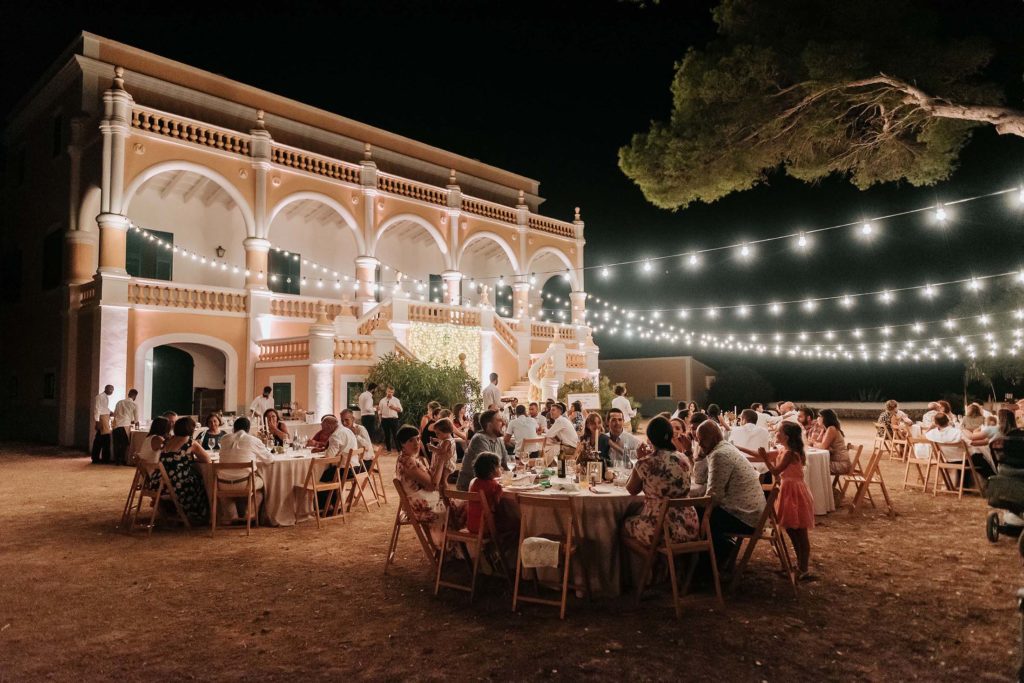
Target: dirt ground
922,596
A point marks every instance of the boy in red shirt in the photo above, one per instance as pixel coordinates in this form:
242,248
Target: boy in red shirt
487,468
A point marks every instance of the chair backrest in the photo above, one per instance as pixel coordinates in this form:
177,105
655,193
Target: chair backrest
941,455
321,464
853,452
561,506
467,497
533,445
403,501
661,532
869,470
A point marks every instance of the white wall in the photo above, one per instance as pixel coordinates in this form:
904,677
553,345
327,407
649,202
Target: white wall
330,244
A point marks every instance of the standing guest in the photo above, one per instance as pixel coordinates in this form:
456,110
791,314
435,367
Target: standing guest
101,423
318,442
487,440
389,410
620,443
427,427
276,427
492,394
542,420
420,480
512,405
749,434
210,439
262,403
243,448
523,427
159,430
126,416
487,469
680,411
177,456
832,439
890,417
734,487
623,403
808,421
576,416
561,433
794,506
367,413
348,420
661,473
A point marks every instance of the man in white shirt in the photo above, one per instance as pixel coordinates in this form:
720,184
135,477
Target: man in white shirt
262,403
367,412
762,417
492,394
101,423
523,427
241,447
748,434
341,442
945,433
680,411
542,422
561,433
787,412
622,403
348,420
389,409
928,419
126,416
617,443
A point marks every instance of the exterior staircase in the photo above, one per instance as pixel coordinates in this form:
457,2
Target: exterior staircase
520,390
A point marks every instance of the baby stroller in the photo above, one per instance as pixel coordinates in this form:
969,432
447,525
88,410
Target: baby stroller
1005,492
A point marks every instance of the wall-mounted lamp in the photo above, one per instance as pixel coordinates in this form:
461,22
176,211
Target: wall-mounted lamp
220,251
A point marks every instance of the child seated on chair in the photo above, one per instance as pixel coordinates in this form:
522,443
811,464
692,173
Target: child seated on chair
487,468
443,449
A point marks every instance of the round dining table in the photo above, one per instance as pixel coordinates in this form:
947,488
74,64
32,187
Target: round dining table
600,516
285,501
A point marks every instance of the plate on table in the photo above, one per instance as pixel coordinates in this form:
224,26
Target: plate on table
600,489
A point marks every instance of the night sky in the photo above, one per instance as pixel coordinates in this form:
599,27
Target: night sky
552,90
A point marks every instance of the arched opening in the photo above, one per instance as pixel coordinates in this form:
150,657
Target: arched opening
409,244
199,213
185,378
487,256
552,279
323,236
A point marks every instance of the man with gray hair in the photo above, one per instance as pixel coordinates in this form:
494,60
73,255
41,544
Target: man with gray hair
734,487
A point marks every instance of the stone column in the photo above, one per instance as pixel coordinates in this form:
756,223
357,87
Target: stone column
80,256
257,252
453,287
321,365
520,300
366,278
113,242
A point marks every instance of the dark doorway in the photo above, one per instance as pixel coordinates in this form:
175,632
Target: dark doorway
172,381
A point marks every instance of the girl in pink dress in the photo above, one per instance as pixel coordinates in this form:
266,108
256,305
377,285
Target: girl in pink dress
794,506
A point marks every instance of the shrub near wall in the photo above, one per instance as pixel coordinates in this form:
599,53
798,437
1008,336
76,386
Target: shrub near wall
418,383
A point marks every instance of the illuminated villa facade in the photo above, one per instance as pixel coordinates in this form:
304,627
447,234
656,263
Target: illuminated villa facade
167,219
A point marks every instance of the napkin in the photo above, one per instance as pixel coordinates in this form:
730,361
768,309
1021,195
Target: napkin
539,552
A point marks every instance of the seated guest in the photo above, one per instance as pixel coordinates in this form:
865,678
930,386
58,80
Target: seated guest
661,473
715,415
762,417
488,440
318,442
444,446
618,443
171,417
946,408
576,417
420,480
891,417
700,465
542,422
429,415
807,418
427,430
242,447
159,430
692,408
680,439
734,487
562,434
945,433
276,427
523,427
973,420
177,456
487,468
342,441
928,419
594,440
461,422
348,420
833,440
680,411
988,431
210,439
749,434
787,413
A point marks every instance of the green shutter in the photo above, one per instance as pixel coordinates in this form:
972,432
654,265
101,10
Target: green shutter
147,258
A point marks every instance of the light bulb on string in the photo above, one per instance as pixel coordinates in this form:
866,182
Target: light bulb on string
928,292
846,301
744,250
974,284
810,305
605,272
866,229
775,308
801,241
941,214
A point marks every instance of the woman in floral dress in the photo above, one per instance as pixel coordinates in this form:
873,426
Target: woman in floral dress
178,455
421,481
661,474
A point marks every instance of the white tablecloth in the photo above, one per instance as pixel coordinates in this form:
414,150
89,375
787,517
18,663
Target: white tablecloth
284,500
818,478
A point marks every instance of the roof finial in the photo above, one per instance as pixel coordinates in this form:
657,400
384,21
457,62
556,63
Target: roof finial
119,78
259,119
577,217
522,197
368,151
451,177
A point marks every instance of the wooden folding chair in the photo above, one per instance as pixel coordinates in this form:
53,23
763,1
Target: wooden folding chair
853,453
142,490
862,482
474,545
768,530
376,478
899,444
569,545
249,478
533,446
944,467
359,482
334,487
664,545
404,517
916,462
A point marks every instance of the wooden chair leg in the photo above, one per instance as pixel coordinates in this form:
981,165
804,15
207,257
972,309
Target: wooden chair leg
675,588
393,545
739,567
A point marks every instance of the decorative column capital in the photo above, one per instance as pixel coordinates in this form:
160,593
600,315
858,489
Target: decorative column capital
256,244
367,261
113,221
